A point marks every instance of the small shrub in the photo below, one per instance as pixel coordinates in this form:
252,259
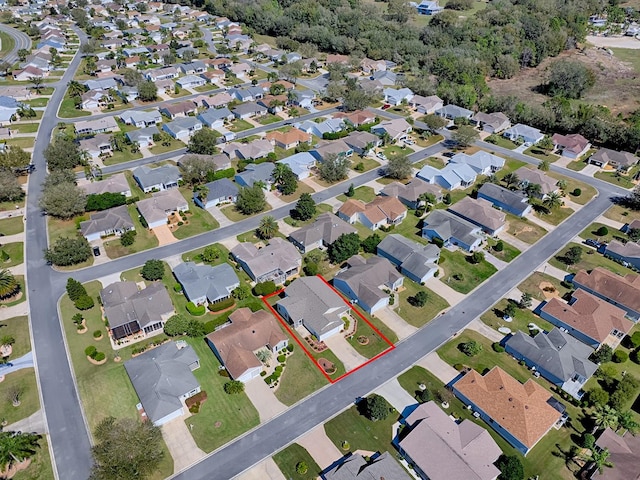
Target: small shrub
263,373
99,356
281,358
459,367
290,347
470,348
278,369
90,351
576,192
497,347
602,231
234,387
302,468
195,408
77,319
97,334
128,237
177,288
359,167
424,396
85,302
195,310
311,269
438,242
620,356
498,247
223,373
210,326
264,288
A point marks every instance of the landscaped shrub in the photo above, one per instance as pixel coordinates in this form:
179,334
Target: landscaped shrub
210,326
234,387
85,302
90,351
470,348
634,340
128,237
424,396
195,408
77,319
99,356
419,299
282,359
223,373
302,468
602,231
222,305
576,192
279,369
620,356
459,367
177,287
497,347
359,167
276,375
290,347
311,269
195,310
438,242
75,289
498,247
263,373
264,288
97,334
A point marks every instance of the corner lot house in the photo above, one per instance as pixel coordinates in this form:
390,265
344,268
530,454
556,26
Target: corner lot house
356,467
515,203
523,133
452,230
381,211
480,212
160,178
560,358
277,261
619,160
163,379
521,413
114,221
627,253
624,451
491,122
623,292
219,191
416,261
136,312
237,342
114,184
530,176
323,232
451,177
156,210
410,193
588,318
310,303
439,448
204,284
364,279
571,146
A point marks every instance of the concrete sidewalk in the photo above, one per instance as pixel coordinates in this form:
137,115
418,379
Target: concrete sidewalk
552,271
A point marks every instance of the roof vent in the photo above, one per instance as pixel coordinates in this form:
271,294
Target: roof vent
511,399
253,331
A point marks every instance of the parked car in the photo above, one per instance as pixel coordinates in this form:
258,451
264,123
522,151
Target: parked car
6,365
381,156
409,141
386,106
96,251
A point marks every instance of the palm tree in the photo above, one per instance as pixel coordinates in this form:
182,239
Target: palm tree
75,88
533,190
562,184
268,227
7,341
544,165
16,447
511,179
9,286
625,421
600,458
553,201
605,417
37,83
202,192
280,172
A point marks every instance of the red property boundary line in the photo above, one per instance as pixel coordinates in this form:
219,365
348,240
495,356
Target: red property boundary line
308,353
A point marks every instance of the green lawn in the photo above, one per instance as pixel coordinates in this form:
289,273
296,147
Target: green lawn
302,188
532,285
520,321
587,191
376,344
18,328
360,432
419,316
556,215
300,378
37,102
222,417
537,152
24,380
368,163
592,232
144,240
320,208
22,142
40,466
616,178
25,127
68,109
235,216
508,253
121,157
411,227
11,226
239,125
504,142
524,230
469,276
20,297
7,43
63,228
434,162
194,255
268,119
616,212
577,165
199,220
173,145
392,150
287,459
136,191
364,193
16,254
590,260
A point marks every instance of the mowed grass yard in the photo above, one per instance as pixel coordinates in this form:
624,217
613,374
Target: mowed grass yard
234,215
11,226
419,316
524,230
287,459
300,378
535,283
16,254
494,318
590,259
24,381
460,274
364,194
144,239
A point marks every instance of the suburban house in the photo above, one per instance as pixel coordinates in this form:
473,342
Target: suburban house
451,177
452,230
397,129
249,109
194,67
218,191
439,448
140,118
410,193
428,7
159,178
590,319
91,100
311,303
626,253
115,184
337,148
191,81
357,118
215,162
414,260
113,221
483,163
368,65
621,291
364,280
253,150
165,73
530,176
321,233
426,105
300,164
182,128
571,146
130,311
619,160
451,112
330,125
92,127
635,224
97,146
380,212
163,379
521,413
623,454
362,142
277,261
515,203
143,137
288,140
248,94
157,209
302,98
357,467
219,100
236,343
523,133
260,172
204,284
395,96
480,212
491,122
181,109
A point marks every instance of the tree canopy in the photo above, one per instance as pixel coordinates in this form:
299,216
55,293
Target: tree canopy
305,208
204,142
64,153
334,168
251,200
346,245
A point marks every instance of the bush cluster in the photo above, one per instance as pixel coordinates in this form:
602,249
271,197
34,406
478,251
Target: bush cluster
195,310
264,288
222,305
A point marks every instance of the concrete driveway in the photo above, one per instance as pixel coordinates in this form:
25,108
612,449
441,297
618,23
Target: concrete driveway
345,352
264,399
164,235
180,443
438,367
396,395
395,322
323,451
25,361
265,470
220,217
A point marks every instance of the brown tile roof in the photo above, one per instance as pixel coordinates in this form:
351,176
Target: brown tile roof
249,331
521,409
574,143
287,138
621,290
384,207
589,315
351,207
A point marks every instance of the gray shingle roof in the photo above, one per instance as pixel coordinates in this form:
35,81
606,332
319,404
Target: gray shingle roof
204,280
414,257
279,254
124,303
365,276
517,201
327,227
148,177
356,467
116,218
222,188
448,225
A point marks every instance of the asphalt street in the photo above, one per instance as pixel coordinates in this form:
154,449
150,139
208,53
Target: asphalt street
21,39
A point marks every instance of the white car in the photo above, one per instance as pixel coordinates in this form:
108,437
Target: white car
381,156
409,141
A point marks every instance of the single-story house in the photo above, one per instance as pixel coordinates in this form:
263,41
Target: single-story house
357,467
451,177
181,109
395,96
381,211
193,68
590,319
426,105
451,112
157,209
302,98
191,81
515,203
480,212
247,94
397,129
219,161
143,137
249,109
235,344
491,122
159,178
452,230
165,73
96,146
528,176
321,233
182,128
113,221
364,280
483,163
288,140
440,448
218,191
114,184
410,193
524,133
623,454
571,146
339,148
330,125
140,118
215,117
300,164
362,142
255,149
626,253
414,260
277,261
260,172
521,413
92,127
560,358
428,7
311,303
204,284
130,311
621,291
619,160
357,118
163,379
218,100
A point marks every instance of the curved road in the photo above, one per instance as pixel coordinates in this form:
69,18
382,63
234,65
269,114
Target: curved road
21,40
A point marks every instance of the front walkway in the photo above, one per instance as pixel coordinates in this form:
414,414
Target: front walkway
323,451
264,399
441,369
395,322
15,311
345,352
265,470
397,396
555,272
181,444
25,361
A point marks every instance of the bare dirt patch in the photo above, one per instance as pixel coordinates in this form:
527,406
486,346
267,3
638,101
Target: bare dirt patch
548,290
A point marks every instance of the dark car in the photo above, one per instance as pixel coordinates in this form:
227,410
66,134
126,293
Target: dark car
6,365
96,251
